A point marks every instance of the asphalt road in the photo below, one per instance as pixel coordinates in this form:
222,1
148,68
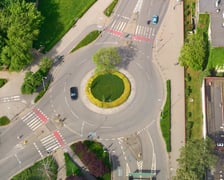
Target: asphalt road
139,117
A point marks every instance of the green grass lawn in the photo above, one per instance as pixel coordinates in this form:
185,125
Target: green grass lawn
165,119
107,87
60,16
71,167
87,40
203,23
216,58
193,105
44,169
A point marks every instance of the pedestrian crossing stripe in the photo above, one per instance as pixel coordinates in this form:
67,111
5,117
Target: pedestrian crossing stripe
142,33
118,25
53,141
50,143
32,121
41,115
35,119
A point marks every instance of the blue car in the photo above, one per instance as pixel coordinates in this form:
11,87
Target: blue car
155,19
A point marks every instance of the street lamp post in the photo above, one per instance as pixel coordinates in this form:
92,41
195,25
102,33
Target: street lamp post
44,83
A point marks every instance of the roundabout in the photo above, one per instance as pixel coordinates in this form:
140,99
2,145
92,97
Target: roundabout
108,107
108,90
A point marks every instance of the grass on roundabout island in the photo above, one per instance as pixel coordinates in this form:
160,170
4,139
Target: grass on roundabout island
108,90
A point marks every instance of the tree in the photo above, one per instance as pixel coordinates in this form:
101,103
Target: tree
193,52
20,22
195,157
28,87
45,65
106,59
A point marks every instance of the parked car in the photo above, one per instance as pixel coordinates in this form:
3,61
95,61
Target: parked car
155,19
74,93
58,58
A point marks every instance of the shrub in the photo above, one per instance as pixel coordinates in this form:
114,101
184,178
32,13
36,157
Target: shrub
188,90
3,82
4,120
86,153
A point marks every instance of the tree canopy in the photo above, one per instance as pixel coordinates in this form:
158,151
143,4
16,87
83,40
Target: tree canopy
33,80
193,52
20,22
106,59
195,157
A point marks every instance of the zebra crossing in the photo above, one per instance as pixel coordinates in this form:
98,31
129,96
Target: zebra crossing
53,141
142,33
119,25
34,119
10,99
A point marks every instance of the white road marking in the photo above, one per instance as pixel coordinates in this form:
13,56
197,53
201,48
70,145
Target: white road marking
17,158
138,6
50,143
153,167
38,150
127,169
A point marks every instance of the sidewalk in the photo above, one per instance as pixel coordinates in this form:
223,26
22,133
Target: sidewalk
168,43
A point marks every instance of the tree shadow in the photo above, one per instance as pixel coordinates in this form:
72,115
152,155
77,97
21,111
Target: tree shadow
127,54
51,25
114,162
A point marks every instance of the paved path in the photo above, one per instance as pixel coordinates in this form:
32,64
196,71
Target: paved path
167,45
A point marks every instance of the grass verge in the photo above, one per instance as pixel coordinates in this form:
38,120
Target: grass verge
44,169
71,167
87,40
4,120
165,119
41,93
216,58
193,104
108,11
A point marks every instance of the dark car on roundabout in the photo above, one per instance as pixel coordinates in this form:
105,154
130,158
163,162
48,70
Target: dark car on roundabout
74,93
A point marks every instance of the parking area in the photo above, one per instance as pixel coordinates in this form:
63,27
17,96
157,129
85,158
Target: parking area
216,10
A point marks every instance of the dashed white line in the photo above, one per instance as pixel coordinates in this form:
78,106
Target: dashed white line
38,150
